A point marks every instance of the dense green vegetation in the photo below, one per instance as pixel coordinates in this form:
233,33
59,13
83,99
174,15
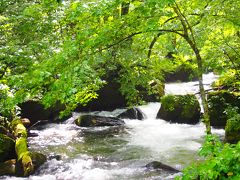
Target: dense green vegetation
222,161
61,51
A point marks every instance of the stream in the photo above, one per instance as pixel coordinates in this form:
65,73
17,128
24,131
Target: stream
108,153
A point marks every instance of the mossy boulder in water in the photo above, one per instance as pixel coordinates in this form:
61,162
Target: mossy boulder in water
133,113
180,109
7,148
232,129
93,121
220,104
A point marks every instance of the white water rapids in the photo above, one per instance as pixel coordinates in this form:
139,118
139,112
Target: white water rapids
96,154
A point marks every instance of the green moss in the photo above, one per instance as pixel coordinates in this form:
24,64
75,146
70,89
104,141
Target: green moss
187,103
180,108
232,130
21,147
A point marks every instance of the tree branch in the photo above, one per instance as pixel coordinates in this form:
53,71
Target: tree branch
152,44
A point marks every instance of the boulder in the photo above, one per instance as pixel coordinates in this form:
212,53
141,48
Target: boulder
155,165
35,112
26,122
14,168
7,148
133,113
93,121
38,159
180,109
184,73
232,129
109,98
219,102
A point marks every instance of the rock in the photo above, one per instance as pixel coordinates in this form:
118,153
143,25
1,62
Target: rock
109,98
232,129
8,168
180,109
155,165
55,156
7,148
93,121
38,159
35,112
133,113
26,122
219,102
184,73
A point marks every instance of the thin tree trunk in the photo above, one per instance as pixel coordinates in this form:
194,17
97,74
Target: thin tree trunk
188,32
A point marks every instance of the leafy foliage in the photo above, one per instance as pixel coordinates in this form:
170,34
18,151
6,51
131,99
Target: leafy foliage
222,161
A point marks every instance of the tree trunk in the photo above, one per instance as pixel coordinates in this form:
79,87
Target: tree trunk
187,33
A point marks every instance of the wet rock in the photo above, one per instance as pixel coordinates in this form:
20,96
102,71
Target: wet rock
180,109
35,112
156,165
8,167
55,156
133,113
32,134
219,103
109,98
7,148
93,121
26,122
38,159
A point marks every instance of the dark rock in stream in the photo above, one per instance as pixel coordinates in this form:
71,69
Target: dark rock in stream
94,121
156,165
133,113
37,114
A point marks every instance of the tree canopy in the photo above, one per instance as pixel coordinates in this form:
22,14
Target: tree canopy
60,51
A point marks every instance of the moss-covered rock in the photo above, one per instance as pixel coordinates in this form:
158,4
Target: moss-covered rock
180,109
7,148
232,129
15,168
220,102
93,121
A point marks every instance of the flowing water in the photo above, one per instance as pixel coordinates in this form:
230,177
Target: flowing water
104,153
